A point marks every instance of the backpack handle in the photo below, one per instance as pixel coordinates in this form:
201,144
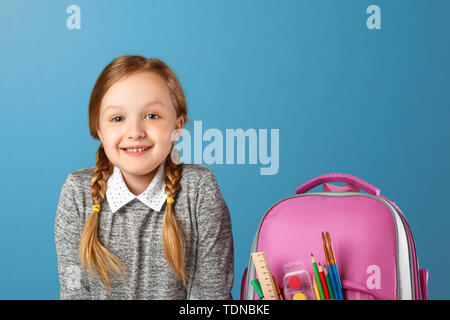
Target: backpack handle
338,177
328,187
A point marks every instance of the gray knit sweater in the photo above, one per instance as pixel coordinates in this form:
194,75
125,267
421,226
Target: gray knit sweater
133,234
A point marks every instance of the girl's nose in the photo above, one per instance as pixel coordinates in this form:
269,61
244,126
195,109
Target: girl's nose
136,130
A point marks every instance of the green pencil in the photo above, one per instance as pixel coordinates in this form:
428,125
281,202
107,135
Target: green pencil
316,272
330,287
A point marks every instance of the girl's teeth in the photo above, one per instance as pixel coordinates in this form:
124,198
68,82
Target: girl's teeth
136,150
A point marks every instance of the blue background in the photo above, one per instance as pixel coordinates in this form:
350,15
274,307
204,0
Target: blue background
371,103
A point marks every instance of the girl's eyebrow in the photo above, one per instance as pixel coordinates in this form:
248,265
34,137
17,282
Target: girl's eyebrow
145,105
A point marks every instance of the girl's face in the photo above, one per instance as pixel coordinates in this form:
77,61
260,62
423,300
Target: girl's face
138,112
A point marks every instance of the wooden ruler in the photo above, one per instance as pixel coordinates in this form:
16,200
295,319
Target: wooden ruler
264,275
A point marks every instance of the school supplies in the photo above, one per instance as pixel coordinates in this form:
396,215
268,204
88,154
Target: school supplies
334,285
294,282
316,273
371,239
324,283
265,276
299,296
280,296
335,269
255,283
316,290
330,286
297,280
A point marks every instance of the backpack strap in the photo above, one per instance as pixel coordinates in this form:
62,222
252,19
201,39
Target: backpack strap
243,282
424,273
351,285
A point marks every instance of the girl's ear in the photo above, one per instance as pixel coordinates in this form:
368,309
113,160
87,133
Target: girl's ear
180,122
176,134
99,134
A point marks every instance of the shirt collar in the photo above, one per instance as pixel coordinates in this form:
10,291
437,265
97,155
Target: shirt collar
119,195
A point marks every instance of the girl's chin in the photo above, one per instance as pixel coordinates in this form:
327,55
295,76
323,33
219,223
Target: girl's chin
138,171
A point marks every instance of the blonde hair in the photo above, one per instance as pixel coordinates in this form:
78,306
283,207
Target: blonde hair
91,250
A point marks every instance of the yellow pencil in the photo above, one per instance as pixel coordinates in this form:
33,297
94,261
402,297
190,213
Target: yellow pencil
316,289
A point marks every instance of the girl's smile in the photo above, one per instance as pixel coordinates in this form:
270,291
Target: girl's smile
136,152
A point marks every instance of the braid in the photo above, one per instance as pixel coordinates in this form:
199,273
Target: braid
102,172
91,250
172,234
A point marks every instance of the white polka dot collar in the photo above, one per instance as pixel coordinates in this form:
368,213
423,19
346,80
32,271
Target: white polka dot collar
119,195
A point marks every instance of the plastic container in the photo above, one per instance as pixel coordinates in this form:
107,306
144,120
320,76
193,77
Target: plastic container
297,284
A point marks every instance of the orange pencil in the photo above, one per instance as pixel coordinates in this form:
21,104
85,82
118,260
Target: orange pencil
324,283
277,287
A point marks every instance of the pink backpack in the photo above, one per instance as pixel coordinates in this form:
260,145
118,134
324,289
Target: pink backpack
369,233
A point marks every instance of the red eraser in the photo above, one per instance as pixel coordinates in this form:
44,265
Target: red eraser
294,282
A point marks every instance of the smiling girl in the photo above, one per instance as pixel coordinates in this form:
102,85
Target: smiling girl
138,224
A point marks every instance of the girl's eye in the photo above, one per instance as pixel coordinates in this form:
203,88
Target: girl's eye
115,118
152,114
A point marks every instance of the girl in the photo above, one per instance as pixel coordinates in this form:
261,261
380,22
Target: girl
140,225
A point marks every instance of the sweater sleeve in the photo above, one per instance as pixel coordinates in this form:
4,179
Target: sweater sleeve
74,284
214,272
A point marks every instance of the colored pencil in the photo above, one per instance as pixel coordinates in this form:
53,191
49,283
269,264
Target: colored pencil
324,283
316,272
330,286
278,288
315,288
335,269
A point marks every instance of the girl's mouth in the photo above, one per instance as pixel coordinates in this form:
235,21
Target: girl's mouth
135,152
